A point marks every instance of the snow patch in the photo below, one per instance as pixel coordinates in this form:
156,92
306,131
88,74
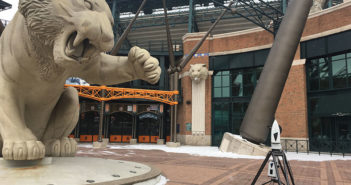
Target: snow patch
162,181
208,151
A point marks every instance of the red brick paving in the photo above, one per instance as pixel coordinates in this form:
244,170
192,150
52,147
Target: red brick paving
184,169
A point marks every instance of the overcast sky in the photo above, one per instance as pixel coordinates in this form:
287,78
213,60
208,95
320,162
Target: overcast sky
8,14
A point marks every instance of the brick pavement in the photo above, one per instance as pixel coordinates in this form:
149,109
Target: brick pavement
184,169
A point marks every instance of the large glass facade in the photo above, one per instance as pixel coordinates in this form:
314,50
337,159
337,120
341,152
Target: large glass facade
232,90
329,102
234,80
328,73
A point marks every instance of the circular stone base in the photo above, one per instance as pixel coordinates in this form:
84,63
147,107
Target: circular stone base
76,171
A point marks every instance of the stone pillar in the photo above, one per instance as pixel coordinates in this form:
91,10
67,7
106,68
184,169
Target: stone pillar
198,74
198,107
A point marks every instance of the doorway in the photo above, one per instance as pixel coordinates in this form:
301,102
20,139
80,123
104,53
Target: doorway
331,134
148,127
89,126
120,127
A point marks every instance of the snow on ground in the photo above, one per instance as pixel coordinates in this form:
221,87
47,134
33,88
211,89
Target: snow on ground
215,152
162,181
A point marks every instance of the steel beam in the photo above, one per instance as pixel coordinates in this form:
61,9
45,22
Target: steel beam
126,32
102,113
260,113
116,19
191,16
186,59
173,113
284,5
169,38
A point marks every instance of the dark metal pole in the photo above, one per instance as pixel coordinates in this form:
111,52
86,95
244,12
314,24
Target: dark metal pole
169,38
171,70
186,59
126,32
191,16
101,121
175,84
171,80
260,113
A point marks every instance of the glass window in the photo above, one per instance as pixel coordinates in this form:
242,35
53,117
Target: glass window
249,79
236,123
221,84
324,70
237,86
313,104
316,128
217,81
339,67
314,84
225,81
217,92
240,107
225,92
339,81
324,84
349,65
258,74
248,90
329,73
313,70
338,57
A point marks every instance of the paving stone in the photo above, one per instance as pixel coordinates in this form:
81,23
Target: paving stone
185,169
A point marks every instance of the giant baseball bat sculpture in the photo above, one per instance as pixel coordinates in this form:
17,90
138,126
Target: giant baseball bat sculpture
260,113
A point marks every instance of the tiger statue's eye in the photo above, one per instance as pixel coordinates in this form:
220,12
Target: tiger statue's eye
88,4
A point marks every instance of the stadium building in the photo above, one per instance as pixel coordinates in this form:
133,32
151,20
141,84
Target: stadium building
315,107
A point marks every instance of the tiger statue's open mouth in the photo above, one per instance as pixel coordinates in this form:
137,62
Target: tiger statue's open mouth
78,47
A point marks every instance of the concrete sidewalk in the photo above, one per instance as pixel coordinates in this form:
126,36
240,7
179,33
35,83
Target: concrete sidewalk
184,169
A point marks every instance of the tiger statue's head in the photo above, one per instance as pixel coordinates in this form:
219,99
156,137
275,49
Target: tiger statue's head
65,33
198,72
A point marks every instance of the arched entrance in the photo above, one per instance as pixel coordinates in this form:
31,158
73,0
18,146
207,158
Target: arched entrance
120,127
89,126
148,127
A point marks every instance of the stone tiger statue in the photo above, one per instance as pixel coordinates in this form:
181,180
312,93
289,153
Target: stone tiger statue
198,72
47,42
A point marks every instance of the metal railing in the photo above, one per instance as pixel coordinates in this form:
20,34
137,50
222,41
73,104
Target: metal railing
318,145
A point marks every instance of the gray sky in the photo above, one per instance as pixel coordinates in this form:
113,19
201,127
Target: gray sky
8,14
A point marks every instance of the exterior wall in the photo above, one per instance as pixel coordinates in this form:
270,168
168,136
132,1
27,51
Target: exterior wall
292,109
184,111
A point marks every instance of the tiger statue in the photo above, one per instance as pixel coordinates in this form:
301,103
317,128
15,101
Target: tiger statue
46,42
198,72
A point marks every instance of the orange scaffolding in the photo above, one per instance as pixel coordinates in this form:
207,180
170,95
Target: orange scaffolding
114,93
